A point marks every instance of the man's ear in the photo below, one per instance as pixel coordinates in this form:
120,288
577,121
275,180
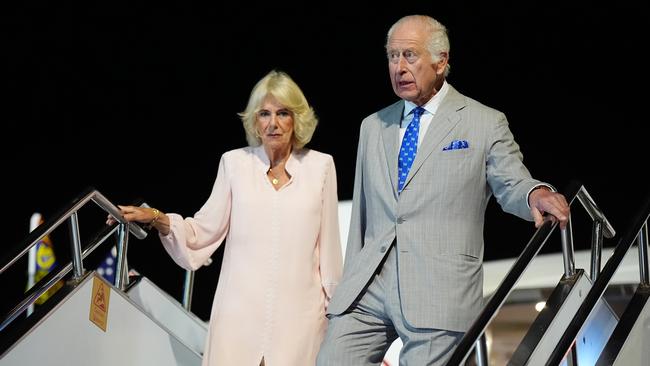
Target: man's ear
441,65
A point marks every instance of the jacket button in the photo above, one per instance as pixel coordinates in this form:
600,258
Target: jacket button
382,249
400,220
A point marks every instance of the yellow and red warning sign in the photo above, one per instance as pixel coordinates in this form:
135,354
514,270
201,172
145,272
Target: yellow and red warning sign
99,303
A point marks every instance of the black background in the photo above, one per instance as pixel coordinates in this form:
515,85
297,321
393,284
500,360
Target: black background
140,99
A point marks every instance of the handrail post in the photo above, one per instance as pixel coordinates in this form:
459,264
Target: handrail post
594,212
567,249
481,351
188,288
596,248
642,240
77,263
121,276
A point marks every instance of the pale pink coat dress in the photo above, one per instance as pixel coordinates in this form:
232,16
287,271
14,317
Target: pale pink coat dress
281,262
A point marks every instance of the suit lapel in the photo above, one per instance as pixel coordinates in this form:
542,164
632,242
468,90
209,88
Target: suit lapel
390,119
445,119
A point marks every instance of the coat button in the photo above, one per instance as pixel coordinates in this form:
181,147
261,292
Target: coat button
400,220
382,249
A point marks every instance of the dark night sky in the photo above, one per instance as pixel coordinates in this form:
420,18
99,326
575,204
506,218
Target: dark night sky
140,99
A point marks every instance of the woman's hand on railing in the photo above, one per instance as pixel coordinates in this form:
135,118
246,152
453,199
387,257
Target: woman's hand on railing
542,200
152,217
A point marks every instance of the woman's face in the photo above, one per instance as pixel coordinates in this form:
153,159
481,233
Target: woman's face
274,123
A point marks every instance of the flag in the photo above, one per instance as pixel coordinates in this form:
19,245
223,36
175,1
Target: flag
45,263
42,262
108,267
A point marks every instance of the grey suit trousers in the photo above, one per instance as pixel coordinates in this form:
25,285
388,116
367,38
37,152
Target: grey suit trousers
362,335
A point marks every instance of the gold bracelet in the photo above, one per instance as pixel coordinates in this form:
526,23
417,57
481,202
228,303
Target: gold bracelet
156,214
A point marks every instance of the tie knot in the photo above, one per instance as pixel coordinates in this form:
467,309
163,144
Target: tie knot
417,112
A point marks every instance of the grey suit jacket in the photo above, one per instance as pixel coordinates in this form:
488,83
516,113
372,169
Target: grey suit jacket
438,218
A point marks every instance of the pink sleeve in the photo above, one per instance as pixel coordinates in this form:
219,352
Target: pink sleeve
191,241
331,261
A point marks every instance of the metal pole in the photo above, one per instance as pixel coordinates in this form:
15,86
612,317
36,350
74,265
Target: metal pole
596,248
188,288
77,264
481,351
567,249
642,240
121,275
594,212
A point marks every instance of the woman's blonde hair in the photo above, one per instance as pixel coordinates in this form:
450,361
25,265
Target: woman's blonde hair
279,85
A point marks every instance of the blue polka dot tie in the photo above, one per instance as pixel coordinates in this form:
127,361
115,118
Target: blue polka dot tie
409,148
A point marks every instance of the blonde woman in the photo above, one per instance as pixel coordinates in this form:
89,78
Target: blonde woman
275,204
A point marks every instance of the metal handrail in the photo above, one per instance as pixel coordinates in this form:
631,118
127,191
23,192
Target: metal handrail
490,310
50,279
46,228
76,265
476,331
638,230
